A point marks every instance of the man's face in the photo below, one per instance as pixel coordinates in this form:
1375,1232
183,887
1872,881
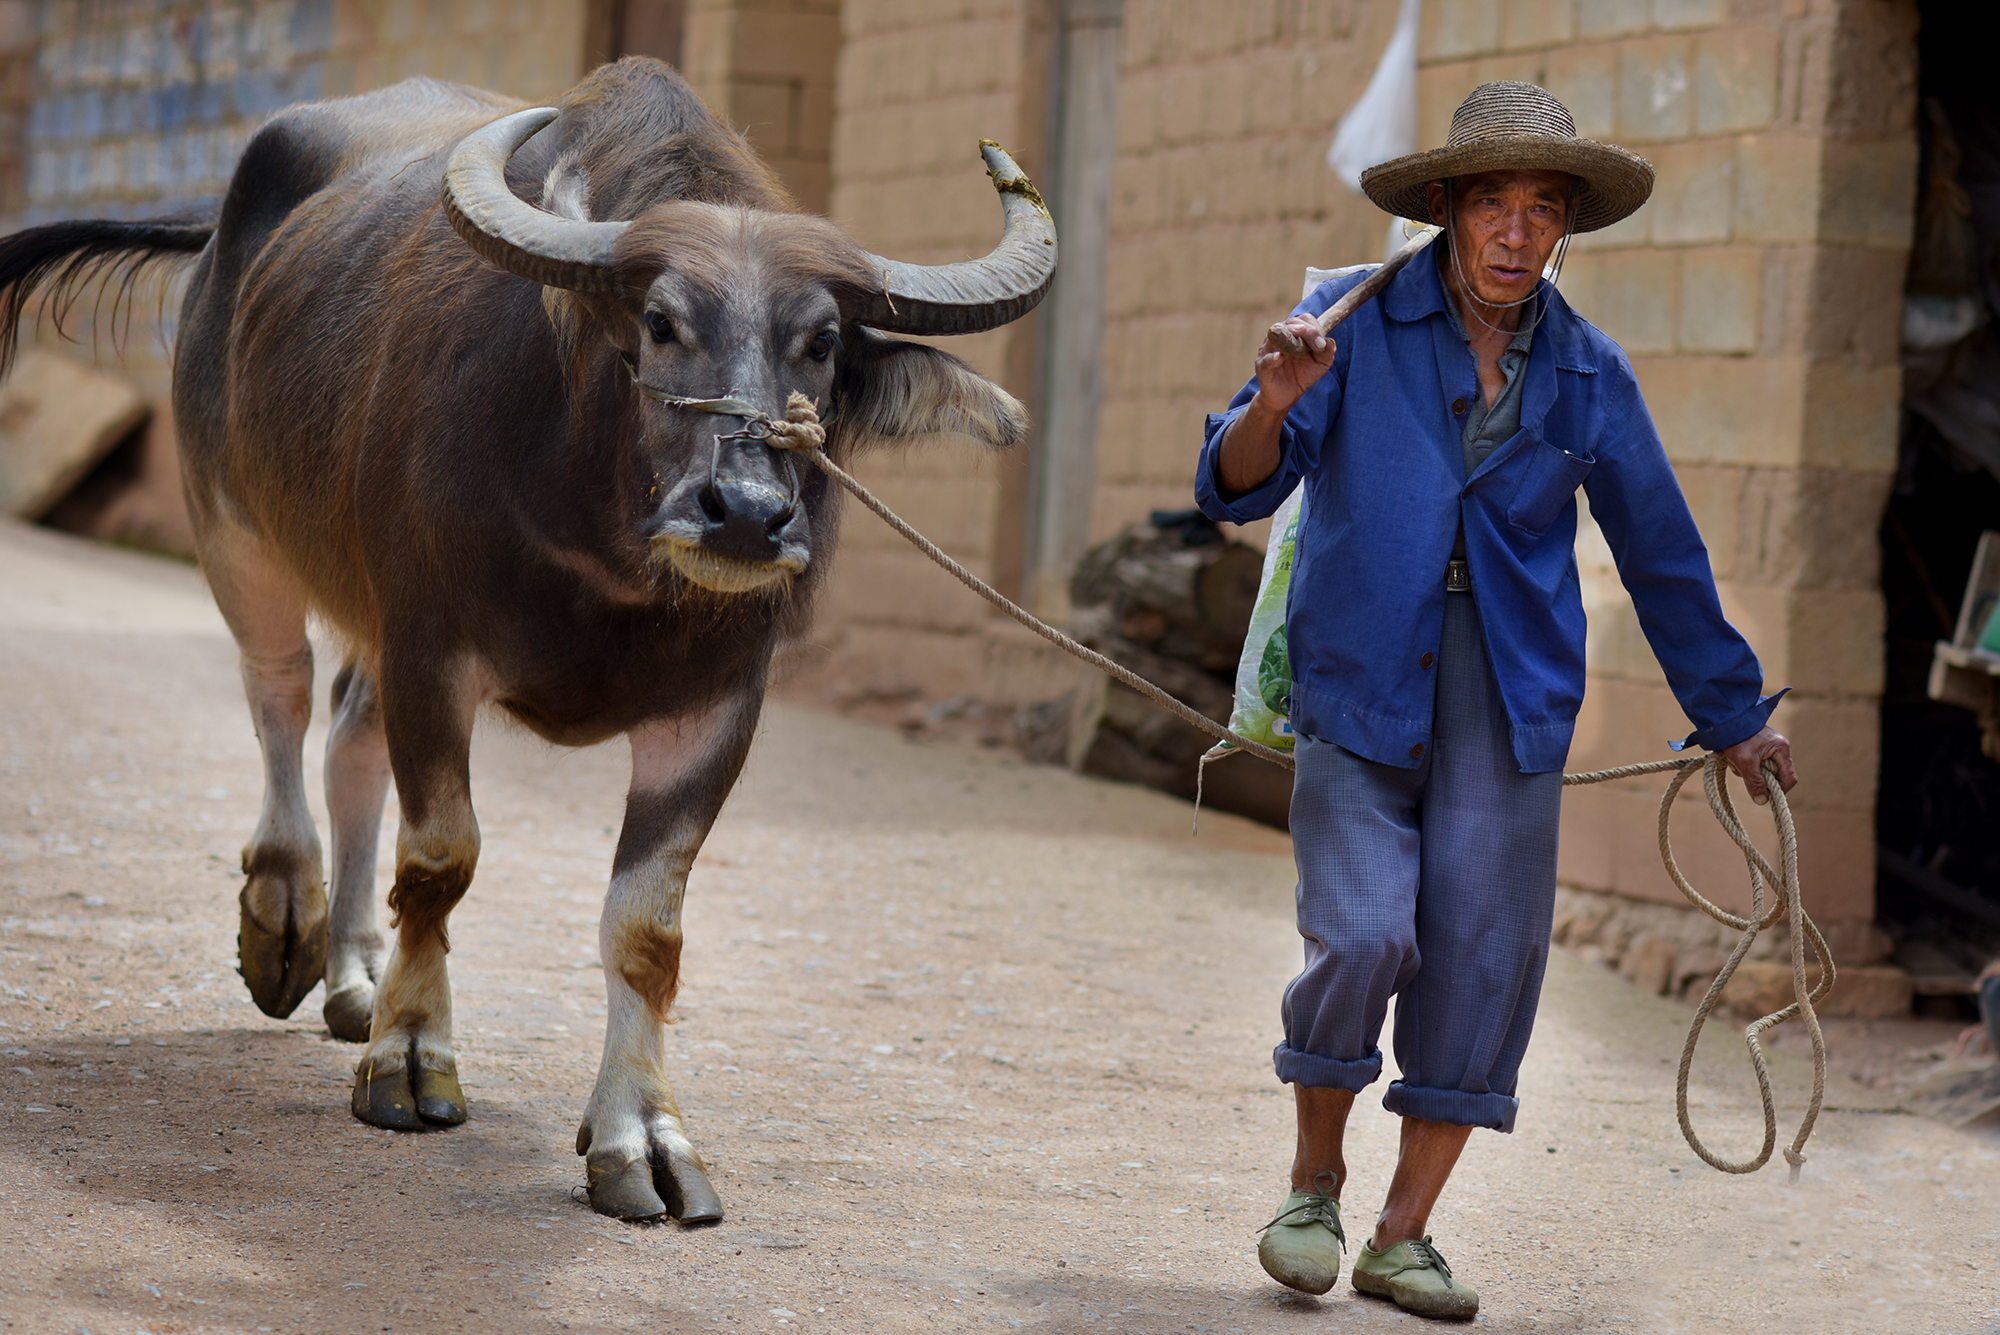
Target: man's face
1505,226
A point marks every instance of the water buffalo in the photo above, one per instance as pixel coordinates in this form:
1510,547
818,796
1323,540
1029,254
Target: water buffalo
424,388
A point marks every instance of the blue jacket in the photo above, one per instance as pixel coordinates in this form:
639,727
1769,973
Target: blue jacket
1378,446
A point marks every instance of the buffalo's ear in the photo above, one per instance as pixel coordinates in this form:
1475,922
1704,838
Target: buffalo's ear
892,392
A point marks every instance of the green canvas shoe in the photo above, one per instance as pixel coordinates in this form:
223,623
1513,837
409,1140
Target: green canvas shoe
1301,1247
1415,1277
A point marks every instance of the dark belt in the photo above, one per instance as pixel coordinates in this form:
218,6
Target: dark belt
1457,577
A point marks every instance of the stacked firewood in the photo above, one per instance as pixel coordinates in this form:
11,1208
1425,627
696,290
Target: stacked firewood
1170,599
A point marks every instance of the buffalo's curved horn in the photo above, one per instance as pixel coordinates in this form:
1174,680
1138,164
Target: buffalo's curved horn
522,239
972,295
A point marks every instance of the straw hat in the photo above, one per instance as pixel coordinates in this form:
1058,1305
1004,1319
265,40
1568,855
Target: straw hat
1511,126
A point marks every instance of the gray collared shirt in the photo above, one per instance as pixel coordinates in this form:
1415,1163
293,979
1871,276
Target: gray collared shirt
1487,427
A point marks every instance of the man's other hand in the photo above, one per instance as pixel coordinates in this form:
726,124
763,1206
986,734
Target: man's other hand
1747,759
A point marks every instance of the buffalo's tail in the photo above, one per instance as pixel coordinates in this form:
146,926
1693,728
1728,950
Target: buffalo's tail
60,261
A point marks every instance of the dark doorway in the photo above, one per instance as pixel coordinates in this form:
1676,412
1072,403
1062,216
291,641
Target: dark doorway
1938,813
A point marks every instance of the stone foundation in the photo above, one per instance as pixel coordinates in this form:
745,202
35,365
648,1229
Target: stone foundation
1673,950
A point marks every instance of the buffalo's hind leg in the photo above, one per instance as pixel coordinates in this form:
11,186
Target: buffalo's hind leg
357,778
638,1159
281,941
408,1078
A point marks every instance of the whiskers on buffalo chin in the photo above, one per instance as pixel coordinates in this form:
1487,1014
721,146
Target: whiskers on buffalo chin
718,573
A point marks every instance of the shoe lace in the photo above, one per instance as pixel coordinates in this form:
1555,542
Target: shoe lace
1430,1256
1320,1207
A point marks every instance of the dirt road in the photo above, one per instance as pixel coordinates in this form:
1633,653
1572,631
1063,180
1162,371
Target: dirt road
969,1045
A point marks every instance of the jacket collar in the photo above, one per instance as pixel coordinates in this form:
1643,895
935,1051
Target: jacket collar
1417,293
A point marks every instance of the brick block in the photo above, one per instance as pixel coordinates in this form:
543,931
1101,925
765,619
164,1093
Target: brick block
1868,192
1726,410
1440,88
1736,80
1721,292
1850,416
1677,14
1820,641
1520,67
1526,24
1812,528
1778,188
1694,192
1457,28
1585,79
1847,302
1612,18
1635,299
1871,991
784,43
1631,232
1836,745
1654,101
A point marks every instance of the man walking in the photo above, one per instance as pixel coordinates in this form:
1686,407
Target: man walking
1436,635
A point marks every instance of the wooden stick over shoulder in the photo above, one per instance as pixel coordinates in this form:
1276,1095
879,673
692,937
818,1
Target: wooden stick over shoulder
1279,339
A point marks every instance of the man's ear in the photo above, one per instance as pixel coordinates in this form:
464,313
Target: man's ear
891,393
1436,194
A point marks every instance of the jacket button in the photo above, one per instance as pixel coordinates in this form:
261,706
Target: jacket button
1457,406
1417,751
1427,660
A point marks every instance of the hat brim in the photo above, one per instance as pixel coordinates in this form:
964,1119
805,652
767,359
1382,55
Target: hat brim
1615,182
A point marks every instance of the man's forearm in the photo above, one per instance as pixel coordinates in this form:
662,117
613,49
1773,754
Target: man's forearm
1251,448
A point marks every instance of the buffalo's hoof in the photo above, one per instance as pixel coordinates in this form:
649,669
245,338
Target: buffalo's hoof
349,1012
439,1099
624,1189
669,1183
392,1100
281,943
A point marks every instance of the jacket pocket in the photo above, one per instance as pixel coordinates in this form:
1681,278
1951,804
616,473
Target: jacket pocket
1549,478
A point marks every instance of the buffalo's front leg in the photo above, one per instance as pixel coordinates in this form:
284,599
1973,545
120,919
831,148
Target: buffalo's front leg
408,1076
639,1161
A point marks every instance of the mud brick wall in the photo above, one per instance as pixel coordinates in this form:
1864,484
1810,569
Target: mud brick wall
1759,297
1223,198
767,67
919,83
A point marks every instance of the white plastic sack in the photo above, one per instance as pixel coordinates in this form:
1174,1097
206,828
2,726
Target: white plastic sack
1383,124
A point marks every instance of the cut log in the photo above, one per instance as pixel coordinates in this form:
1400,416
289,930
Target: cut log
58,419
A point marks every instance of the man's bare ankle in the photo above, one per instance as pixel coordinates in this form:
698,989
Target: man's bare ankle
1314,1181
1388,1235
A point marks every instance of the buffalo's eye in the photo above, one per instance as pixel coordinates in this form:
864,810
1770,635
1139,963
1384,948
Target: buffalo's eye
660,327
823,346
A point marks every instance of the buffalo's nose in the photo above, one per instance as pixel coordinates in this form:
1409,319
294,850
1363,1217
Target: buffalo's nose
746,520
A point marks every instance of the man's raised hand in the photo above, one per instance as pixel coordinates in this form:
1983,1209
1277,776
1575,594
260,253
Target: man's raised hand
1294,356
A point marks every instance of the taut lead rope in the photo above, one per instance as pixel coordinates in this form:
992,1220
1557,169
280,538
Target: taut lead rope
801,432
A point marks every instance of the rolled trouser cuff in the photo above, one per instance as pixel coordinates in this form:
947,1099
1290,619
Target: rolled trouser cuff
1453,1106
1316,1072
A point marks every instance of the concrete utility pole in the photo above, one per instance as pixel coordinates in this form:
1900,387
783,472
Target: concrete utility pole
1069,378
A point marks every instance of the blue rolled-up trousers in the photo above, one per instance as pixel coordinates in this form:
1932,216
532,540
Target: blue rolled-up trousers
1434,885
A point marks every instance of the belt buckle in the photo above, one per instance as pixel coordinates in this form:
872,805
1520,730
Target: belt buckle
1457,577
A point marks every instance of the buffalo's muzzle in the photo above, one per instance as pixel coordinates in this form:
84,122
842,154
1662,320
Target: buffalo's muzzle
748,520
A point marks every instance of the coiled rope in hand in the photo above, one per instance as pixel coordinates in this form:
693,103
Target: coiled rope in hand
801,432
1785,904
